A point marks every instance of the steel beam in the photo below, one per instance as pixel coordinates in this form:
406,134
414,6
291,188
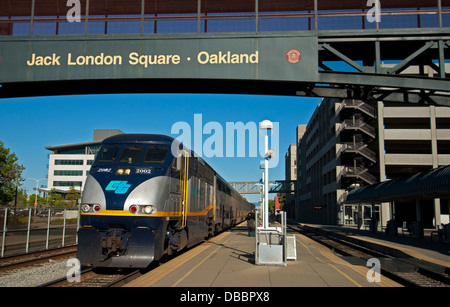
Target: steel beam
380,80
379,94
253,187
401,66
344,58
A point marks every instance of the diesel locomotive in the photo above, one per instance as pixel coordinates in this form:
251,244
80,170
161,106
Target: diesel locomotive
143,200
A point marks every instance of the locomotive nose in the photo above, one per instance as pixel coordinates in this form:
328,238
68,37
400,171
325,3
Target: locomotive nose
148,196
116,247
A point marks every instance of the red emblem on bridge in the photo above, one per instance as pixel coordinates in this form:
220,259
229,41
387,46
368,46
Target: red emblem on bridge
293,56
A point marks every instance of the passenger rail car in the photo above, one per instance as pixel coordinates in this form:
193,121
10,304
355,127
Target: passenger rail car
141,202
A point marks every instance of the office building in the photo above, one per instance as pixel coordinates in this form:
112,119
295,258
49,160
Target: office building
69,165
351,143
291,175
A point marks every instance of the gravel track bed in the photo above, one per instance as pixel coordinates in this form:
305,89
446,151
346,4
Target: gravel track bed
35,275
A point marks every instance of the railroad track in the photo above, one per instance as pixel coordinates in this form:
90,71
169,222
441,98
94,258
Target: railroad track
89,277
409,272
111,277
26,260
96,277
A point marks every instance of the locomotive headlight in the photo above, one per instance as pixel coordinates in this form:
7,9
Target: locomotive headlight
89,208
122,171
85,208
149,209
142,209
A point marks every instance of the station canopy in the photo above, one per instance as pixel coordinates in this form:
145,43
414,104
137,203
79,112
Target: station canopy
433,183
13,8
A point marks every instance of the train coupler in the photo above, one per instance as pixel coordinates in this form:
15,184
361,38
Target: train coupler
114,243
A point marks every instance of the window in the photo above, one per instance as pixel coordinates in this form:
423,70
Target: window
67,183
68,162
107,154
67,173
93,149
155,155
131,155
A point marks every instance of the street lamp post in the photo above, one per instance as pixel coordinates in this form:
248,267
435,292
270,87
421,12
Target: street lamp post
37,189
20,168
266,125
263,167
270,242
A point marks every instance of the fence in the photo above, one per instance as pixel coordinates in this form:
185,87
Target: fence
45,17
25,230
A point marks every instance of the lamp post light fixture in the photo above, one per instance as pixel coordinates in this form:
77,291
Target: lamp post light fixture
270,242
266,126
262,212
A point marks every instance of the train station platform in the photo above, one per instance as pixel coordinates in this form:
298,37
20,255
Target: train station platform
227,260
425,248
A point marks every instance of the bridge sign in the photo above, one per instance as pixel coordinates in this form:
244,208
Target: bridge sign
249,58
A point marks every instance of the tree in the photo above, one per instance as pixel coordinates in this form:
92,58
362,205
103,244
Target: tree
73,196
55,199
41,201
281,200
10,174
271,205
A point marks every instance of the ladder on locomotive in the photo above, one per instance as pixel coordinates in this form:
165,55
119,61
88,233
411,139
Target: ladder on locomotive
184,177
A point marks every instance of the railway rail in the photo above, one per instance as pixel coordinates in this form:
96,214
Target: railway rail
407,271
112,277
26,260
98,277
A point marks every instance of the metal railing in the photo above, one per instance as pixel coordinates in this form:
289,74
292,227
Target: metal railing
357,124
25,230
359,104
360,148
358,172
251,18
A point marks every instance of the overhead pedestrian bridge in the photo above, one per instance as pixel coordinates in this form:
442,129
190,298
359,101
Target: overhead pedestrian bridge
393,51
255,187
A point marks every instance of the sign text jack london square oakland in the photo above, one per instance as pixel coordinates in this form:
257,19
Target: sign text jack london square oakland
239,58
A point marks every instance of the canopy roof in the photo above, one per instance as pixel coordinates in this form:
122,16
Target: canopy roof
434,183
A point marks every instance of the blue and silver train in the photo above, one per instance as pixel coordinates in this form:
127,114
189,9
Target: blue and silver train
141,202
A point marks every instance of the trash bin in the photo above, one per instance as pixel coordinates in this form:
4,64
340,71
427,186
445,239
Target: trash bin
447,233
251,224
373,226
417,230
391,228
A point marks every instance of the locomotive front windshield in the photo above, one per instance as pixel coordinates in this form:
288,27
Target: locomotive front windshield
155,155
108,154
133,155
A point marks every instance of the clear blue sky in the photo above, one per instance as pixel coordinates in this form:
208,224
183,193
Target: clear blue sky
28,125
